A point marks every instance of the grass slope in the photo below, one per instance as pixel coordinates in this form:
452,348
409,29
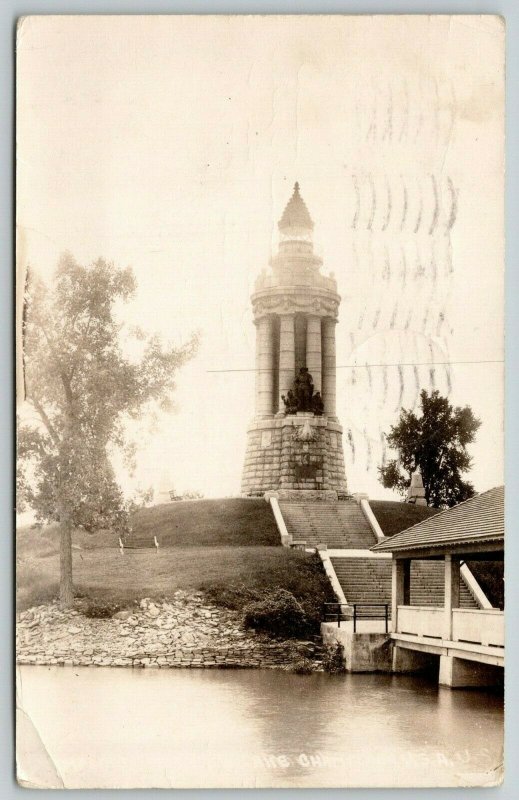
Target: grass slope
225,548
227,574
202,523
394,517
245,522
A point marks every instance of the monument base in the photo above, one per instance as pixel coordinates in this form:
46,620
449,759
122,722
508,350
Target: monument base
303,494
295,456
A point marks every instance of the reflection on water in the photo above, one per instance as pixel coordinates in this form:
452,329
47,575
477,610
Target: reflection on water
211,728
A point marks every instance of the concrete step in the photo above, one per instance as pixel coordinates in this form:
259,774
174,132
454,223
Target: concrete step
342,526
368,580
339,525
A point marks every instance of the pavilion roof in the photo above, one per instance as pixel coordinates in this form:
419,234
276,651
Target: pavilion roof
477,521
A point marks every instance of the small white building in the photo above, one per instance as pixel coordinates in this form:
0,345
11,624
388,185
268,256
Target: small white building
469,642
165,492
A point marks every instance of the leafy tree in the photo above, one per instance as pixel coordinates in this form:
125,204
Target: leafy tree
142,498
192,494
436,442
83,387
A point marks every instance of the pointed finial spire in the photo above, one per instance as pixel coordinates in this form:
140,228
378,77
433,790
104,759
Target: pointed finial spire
296,215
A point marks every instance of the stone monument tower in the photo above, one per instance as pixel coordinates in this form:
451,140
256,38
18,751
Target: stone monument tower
294,443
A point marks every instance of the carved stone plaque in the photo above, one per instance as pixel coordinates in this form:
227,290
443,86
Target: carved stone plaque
266,438
306,471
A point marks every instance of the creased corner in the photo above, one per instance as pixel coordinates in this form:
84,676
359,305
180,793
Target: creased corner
35,768
22,24
496,776
491,777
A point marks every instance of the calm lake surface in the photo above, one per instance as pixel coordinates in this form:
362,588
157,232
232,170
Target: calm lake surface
107,727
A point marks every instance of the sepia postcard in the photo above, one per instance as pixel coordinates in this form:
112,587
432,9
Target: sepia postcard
260,366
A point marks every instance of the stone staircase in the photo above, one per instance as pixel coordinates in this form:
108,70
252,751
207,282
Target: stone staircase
364,580
340,525
368,580
427,585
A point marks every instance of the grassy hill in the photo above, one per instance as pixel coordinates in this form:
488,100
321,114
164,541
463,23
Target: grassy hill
230,522
226,548
244,522
394,517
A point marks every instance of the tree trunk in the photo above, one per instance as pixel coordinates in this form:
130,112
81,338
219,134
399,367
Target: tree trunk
66,589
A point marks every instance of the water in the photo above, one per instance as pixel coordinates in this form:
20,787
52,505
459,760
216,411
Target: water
128,728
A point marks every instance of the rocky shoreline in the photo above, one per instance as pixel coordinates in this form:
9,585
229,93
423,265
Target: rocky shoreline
185,631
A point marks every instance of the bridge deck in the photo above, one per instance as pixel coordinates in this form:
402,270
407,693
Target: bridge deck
471,634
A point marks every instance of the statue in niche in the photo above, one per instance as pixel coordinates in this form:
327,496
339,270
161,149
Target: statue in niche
290,402
301,397
317,404
304,389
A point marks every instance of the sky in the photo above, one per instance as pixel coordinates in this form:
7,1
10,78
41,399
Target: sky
171,145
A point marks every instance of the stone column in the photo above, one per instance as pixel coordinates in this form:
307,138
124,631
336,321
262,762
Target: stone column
452,592
300,337
329,366
287,356
313,349
264,367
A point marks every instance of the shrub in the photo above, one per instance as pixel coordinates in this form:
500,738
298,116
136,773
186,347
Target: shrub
333,659
299,573
96,609
277,613
303,666
233,596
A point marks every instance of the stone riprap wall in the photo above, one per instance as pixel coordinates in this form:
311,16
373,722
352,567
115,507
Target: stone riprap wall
183,632
277,461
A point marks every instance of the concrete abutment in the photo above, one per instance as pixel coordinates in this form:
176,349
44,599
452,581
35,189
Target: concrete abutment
363,652
405,660
458,673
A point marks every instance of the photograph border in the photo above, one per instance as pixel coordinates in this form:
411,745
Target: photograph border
10,10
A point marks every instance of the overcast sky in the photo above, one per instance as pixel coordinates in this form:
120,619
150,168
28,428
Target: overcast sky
171,145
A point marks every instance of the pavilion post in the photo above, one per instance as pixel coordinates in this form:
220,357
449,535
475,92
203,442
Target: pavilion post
400,581
452,592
